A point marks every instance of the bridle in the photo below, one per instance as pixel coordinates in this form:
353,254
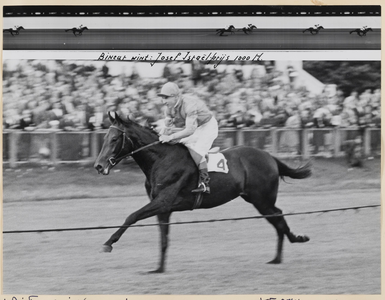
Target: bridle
115,159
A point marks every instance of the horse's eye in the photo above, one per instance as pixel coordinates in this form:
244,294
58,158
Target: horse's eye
114,140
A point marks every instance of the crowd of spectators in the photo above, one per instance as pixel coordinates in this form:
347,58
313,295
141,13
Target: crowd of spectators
66,95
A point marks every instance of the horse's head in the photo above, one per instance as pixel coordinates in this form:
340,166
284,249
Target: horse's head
85,28
320,27
117,144
20,27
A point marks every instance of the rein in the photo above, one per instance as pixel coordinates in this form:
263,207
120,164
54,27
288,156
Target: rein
113,161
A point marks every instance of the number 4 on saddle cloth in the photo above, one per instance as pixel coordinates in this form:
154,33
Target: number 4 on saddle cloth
216,162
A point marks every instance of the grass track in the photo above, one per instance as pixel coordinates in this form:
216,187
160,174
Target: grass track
342,257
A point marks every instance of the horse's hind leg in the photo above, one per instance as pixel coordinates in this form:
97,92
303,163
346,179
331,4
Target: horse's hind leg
279,224
282,229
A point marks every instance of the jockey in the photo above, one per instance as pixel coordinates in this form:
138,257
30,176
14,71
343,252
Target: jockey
363,28
189,121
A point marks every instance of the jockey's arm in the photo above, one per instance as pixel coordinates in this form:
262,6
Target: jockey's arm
189,129
174,129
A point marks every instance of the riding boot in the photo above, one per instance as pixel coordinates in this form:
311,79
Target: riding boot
204,179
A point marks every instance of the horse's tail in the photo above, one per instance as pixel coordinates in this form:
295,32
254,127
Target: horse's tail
298,173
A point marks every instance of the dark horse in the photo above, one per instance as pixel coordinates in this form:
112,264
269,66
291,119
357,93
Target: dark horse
361,32
230,29
77,31
248,29
313,30
12,31
171,174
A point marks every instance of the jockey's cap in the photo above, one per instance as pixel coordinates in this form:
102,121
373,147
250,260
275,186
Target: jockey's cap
169,89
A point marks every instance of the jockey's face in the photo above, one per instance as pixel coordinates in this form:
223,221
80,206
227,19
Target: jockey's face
169,101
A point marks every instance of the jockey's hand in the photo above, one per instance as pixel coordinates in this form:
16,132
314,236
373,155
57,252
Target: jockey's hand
168,122
165,138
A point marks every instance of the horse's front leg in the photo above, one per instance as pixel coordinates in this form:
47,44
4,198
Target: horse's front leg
164,230
155,207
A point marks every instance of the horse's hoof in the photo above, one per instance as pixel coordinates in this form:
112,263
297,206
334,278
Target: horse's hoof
157,271
106,248
275,261
304,239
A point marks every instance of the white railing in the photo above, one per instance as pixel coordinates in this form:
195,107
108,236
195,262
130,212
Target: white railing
83,147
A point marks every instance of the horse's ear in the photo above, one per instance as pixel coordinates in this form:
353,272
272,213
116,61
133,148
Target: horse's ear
114,117
117,118
111,116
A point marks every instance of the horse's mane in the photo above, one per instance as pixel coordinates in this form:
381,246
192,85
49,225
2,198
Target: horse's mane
129,123
149,133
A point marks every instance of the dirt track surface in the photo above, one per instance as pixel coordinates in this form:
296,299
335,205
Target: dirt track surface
342,256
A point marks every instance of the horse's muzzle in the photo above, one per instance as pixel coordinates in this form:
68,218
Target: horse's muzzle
101,170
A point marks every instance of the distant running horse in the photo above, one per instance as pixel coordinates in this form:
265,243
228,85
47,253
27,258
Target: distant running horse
248,29
171,174
230,29
313,30
361,32
12,31
77,31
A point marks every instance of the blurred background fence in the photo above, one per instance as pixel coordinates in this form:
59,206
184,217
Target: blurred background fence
56,147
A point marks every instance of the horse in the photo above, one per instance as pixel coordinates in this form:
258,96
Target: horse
248,29
313,30
77,31
171,174
361,32
12,31
230,29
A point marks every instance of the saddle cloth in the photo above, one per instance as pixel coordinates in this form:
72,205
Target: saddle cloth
216,162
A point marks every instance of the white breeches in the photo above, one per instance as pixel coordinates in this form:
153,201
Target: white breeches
202,139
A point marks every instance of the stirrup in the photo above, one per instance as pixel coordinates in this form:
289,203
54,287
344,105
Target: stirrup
202,188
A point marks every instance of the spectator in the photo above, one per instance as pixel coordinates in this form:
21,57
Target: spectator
69,92
26,120
96,121
351,100
290,139
321,119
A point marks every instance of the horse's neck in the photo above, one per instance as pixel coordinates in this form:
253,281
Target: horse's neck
147,157
144,139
